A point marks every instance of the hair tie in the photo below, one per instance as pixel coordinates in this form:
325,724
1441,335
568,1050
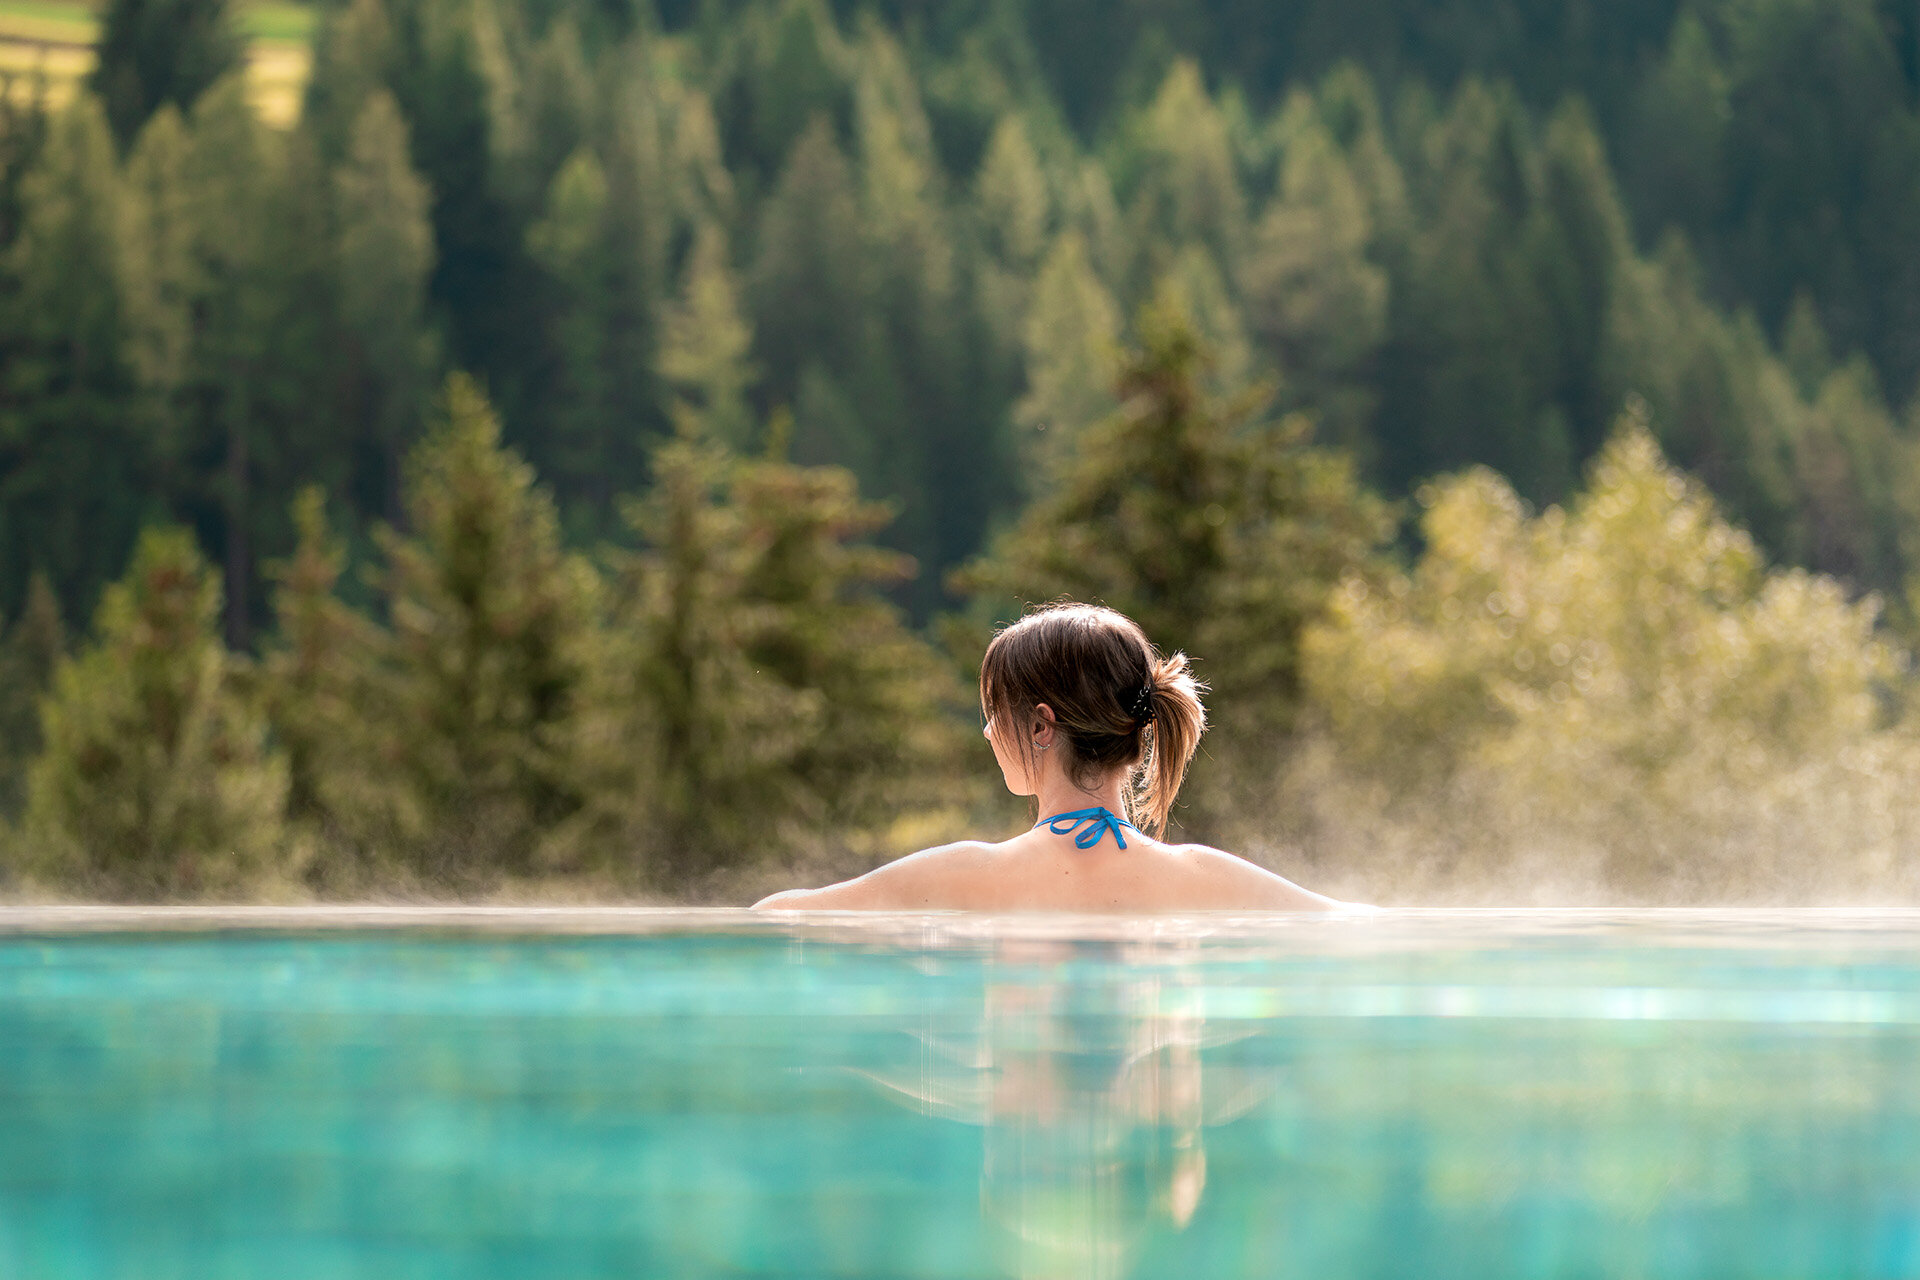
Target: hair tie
1142,708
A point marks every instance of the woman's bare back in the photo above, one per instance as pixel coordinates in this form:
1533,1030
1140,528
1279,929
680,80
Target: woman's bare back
1041,871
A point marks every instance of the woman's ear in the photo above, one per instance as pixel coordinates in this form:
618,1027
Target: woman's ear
1043,726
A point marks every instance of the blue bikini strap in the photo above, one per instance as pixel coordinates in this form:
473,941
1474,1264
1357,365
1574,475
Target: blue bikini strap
1097,822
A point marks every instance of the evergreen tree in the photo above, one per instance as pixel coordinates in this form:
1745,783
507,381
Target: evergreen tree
923,420
353,56
154,52
231,171
323,675
1193,289
602,244
74,452
1848,458
492,630
1479,344
1216,530
809,285
555,113
783,66
447,79
884,735
776,700
1718,408
29,654
1315,298
1016,215
1073,354
384,251
1674,160
156,779
1187,189
705,735
1015,203
160,281
705,342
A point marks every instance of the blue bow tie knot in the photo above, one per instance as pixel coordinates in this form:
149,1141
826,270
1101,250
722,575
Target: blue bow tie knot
1091,825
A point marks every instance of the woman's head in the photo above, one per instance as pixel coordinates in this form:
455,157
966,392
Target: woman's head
1115,704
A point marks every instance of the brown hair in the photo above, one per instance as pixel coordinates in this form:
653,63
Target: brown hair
1116,702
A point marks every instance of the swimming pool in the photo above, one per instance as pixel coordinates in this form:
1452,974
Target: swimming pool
664,1094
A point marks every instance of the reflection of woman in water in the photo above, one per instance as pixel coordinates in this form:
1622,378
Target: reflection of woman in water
1087,718
1093,1118
1085,1075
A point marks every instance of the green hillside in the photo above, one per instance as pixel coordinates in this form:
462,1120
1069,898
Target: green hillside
695,362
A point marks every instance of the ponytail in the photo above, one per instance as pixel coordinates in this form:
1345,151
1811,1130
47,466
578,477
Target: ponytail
1178,721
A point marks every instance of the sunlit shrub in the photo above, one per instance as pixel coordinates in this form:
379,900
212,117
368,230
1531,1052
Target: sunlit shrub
1619,692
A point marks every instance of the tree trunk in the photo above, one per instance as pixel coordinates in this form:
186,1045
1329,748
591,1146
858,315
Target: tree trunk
238,557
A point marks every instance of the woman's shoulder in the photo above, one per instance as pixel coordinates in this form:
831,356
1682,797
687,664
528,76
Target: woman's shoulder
920,880
1217,877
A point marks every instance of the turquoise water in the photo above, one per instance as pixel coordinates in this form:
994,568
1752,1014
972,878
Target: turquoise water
712,1094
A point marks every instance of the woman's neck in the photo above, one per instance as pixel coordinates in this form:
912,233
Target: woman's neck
1056,794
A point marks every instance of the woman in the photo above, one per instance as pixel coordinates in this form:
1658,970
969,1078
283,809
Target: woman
1085,717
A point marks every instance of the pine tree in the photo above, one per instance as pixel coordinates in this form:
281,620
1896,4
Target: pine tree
705,342
1072,342
1474,351
492,628
782,67
232,172
443,68
353,55
1216,530
1188,188
809,285
1315,299
1016,214
601,242
1193,289
774,701
1015,203
160,266
154,52
75,451
322,677
156,779
384,256
29,654
885,730
699,774
1674,162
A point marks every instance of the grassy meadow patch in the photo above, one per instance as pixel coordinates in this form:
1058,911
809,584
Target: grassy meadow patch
46,46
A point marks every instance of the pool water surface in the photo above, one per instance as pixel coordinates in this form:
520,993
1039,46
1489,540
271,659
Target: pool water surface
666,1094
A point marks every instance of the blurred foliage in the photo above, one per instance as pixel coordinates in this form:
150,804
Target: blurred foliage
154,52
30,652
156,778
923,237
1619,689
733,691
484,662
1050,285
768,700
321,691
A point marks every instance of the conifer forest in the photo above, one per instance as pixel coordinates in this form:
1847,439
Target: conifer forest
585,450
